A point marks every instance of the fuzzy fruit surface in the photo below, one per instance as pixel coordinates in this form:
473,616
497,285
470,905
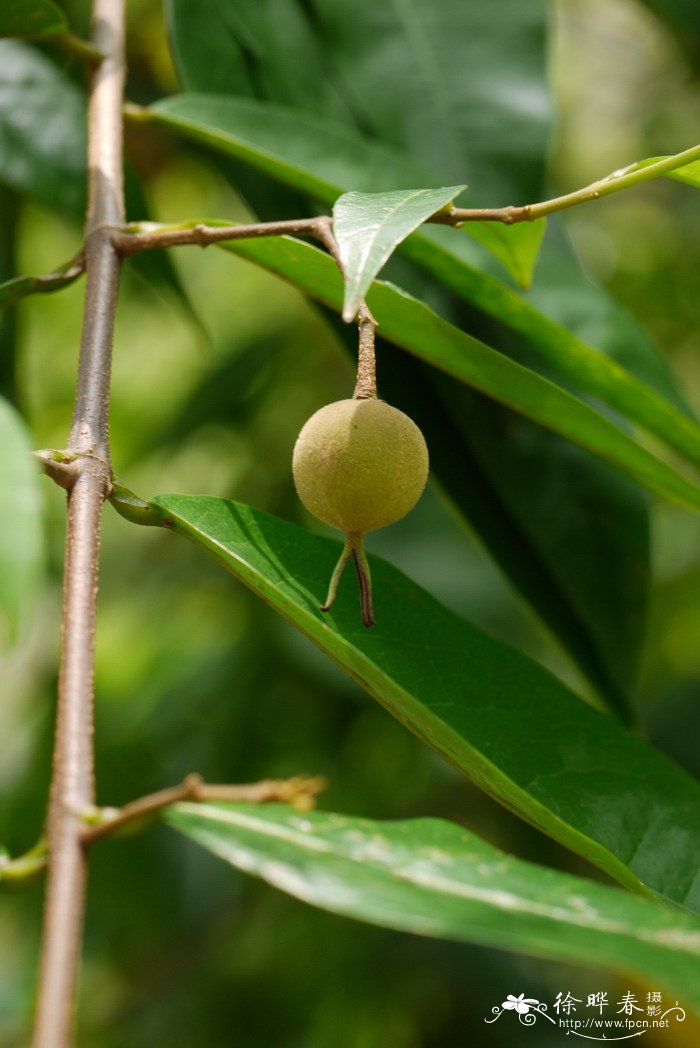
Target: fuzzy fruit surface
360,465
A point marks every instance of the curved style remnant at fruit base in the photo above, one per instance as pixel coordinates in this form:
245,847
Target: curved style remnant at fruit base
359,465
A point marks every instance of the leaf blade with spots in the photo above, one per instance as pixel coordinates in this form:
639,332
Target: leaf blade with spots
431,877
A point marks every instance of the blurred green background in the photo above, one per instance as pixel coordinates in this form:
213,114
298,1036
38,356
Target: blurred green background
194,674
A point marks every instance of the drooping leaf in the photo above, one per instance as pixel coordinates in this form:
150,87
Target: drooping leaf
42,129
516,246
494,714
21,545
431,877
369,226
35,18
562,319
414,326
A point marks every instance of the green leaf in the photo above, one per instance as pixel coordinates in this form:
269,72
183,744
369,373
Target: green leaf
690,174
21,546
414,326
498,717
205,52
35,18
403,74
506,475
42,129
516,246
431,877
369,226
19,287
320,157
290,145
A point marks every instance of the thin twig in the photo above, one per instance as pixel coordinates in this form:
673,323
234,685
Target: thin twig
366,384
613,183
72,788
299,791
147,236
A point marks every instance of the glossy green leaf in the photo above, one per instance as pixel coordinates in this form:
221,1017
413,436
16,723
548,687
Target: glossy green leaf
319,157
34,18
431,877
516,246
42,129
414,326
291,145
490,711
369,226
21,545
505,474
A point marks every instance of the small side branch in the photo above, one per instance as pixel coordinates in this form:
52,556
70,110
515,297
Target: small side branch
300,792
145,236
613,183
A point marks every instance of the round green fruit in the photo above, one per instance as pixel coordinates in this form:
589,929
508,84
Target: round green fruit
360,465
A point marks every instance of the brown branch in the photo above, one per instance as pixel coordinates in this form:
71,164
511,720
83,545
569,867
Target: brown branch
299,791
366,384
72,788
201,234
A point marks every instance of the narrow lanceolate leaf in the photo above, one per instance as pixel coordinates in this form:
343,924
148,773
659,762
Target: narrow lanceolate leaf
414,326
496,715
35,18
369,226
431,877
286,144
20,512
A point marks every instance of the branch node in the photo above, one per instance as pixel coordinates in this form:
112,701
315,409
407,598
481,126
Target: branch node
62,466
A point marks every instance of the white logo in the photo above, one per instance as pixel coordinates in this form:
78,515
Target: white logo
629,1018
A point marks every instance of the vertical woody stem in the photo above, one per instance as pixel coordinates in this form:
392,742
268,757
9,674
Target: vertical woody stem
72,788
366,385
